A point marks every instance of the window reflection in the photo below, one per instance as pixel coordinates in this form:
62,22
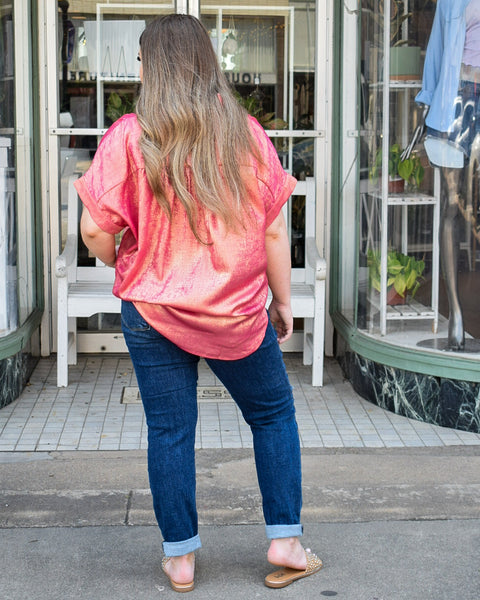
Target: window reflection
8,238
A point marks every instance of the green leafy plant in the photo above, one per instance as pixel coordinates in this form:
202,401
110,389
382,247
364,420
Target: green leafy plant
398,16
254,107
410,169
118,105
404,273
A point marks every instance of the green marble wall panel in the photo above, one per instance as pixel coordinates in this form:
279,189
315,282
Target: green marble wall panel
14,372
445,402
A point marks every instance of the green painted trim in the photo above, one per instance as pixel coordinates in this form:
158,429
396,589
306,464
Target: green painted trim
448,366
16,341
335,236
37,183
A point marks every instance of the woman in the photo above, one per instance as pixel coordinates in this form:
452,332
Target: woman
197,189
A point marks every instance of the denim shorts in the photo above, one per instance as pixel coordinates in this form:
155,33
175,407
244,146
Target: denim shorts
466,124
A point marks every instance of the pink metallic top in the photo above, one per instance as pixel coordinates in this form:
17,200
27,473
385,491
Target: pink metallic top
209,299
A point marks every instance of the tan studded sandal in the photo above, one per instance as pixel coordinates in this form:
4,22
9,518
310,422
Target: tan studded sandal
285,576
178,587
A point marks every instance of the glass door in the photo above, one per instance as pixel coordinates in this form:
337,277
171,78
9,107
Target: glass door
268,53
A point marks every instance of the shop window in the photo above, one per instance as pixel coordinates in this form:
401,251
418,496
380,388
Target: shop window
398,207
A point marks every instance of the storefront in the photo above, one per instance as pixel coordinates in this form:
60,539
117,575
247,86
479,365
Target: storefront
326,81
421,241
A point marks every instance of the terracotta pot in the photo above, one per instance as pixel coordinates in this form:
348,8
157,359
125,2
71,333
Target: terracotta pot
393,298
396,186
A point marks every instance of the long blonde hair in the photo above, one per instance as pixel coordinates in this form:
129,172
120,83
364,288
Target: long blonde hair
194,131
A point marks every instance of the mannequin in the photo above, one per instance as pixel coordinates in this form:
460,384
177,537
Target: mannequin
451,94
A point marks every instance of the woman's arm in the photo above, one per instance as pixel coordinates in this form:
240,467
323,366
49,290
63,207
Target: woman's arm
99,242
278,274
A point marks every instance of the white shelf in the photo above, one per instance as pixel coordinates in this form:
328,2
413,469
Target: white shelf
399,84
405,198
119,79
411,310
413,199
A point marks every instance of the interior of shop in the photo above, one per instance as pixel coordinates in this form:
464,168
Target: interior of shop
414,277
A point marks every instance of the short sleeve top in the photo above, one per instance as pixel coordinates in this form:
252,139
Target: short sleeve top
209,299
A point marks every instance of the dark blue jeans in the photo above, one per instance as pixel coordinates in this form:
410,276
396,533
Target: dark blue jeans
167,378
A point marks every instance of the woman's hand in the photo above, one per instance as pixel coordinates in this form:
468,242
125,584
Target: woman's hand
278,273
282,320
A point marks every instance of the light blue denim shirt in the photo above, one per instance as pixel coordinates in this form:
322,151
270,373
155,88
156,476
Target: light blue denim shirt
441,73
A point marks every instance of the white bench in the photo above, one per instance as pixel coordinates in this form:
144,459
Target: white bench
86,291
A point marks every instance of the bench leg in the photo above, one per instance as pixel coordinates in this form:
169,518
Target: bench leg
318,341
72,340
66,347
62,349
307,341
317,362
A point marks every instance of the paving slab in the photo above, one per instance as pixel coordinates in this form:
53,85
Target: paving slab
91,413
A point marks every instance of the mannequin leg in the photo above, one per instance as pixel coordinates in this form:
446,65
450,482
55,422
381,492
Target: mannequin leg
449,247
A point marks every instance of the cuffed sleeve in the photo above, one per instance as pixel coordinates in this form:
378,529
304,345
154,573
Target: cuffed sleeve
279,185
108,188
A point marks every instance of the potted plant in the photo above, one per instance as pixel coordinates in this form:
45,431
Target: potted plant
253,105
404,274
400,171
118,105
411,170
405,56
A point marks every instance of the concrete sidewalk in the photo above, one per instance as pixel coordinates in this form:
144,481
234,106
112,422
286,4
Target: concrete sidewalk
391,505
362,561
389,524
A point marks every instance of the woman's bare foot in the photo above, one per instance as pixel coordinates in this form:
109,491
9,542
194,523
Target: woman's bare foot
295,562
180,569
287,552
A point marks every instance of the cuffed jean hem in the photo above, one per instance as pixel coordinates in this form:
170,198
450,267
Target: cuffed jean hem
283,531
181,548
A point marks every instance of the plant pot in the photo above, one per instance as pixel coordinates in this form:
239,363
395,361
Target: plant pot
396,186
405,62
394,298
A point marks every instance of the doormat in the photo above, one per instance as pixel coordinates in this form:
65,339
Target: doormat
205,393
